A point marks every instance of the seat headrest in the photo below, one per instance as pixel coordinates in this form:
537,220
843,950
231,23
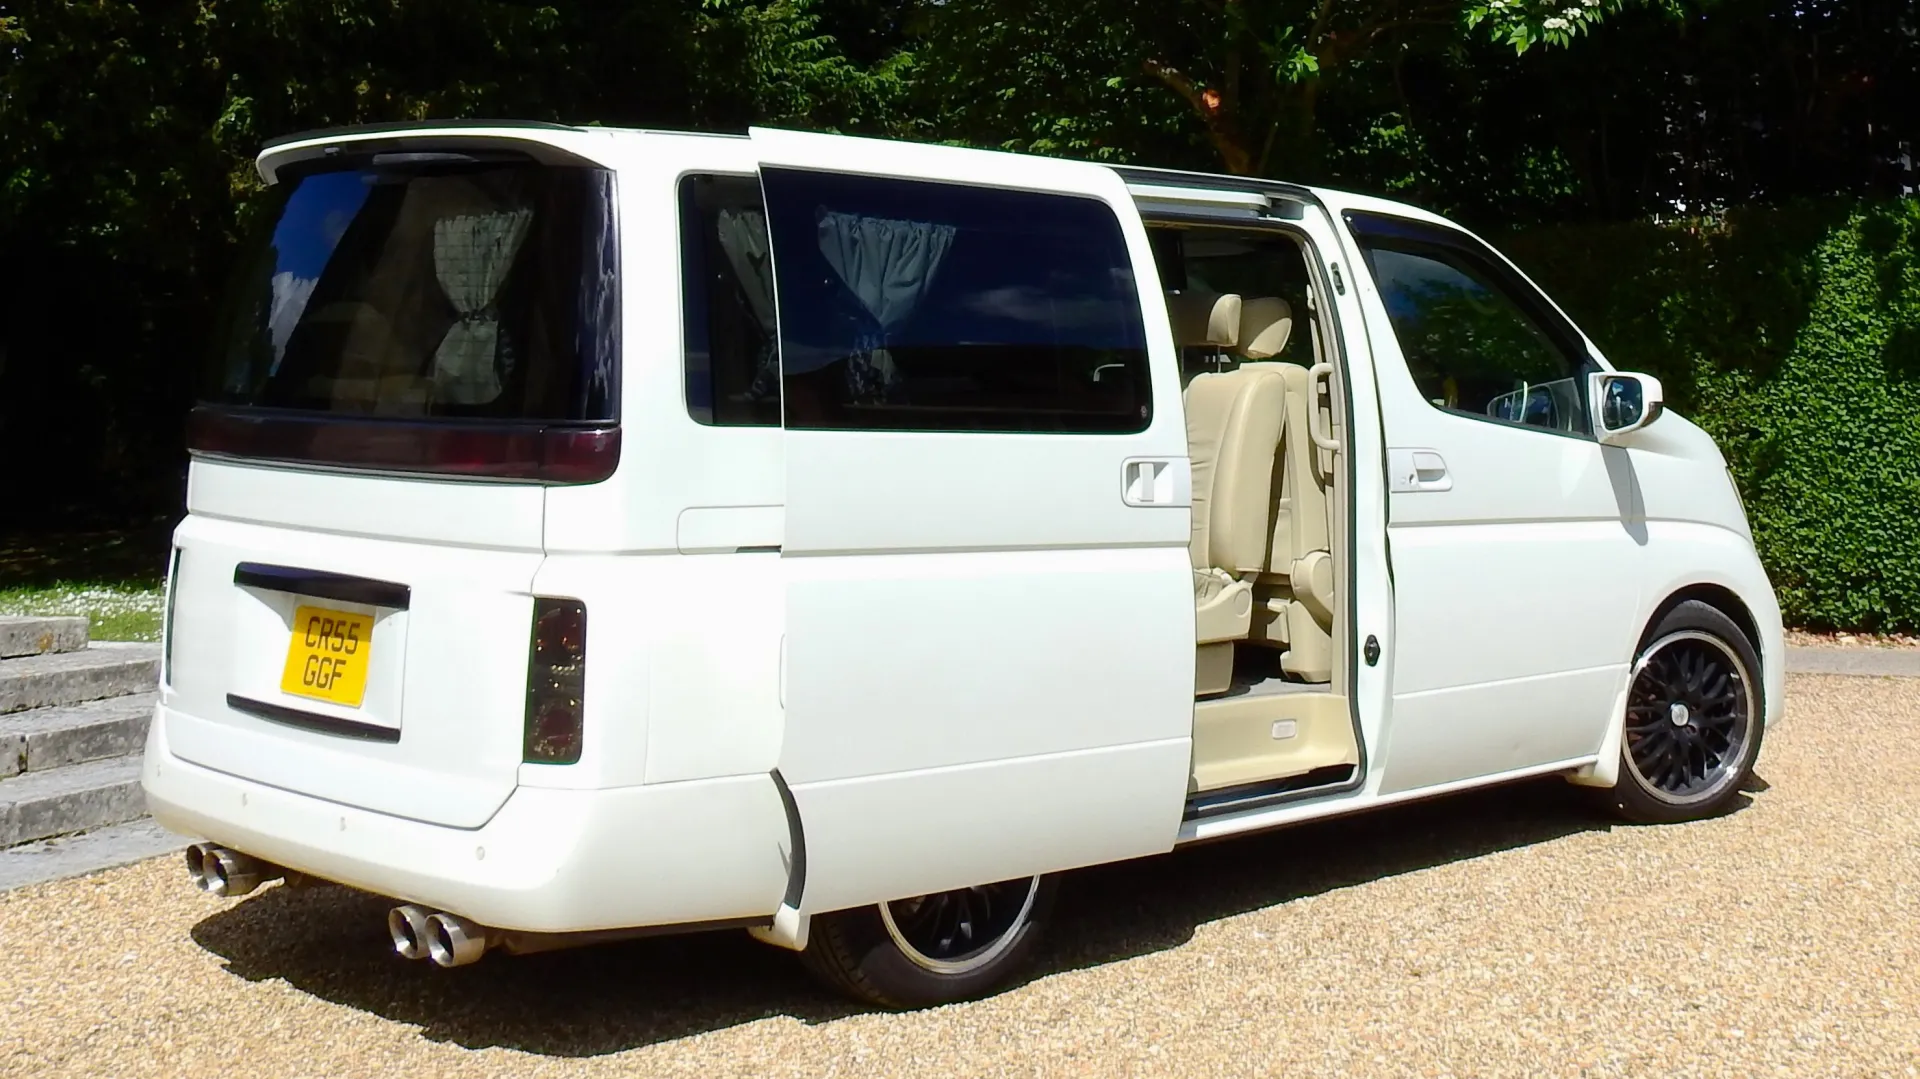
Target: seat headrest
1266,322
1203,319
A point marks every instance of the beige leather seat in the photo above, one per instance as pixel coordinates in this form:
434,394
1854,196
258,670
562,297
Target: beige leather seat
1294,592
1204,319
1233,430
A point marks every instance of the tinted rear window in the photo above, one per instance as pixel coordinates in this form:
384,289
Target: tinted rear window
472,291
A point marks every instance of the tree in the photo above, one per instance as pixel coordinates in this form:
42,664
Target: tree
1246,76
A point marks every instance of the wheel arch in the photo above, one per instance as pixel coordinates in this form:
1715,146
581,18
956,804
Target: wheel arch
1719,597
1605,769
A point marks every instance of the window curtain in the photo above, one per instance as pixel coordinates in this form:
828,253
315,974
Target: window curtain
888,265
743,238
472,254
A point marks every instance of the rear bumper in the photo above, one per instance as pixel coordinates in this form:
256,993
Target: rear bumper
549,861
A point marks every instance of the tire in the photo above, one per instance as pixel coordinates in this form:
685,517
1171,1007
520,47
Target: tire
1694,720
911,954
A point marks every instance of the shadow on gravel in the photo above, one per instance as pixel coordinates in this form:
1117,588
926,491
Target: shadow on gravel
332,942
1115,912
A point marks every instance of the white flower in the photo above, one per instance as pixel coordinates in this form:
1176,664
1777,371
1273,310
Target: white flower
1572,13
1591,3
1555,24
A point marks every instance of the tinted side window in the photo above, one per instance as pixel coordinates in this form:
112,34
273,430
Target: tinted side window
907,305
1471,341
732,354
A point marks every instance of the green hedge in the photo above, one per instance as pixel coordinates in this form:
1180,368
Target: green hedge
1793,335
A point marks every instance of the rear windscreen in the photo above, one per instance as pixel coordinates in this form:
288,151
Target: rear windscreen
459,290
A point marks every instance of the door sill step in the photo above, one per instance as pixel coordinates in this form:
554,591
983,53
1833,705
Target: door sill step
1267,792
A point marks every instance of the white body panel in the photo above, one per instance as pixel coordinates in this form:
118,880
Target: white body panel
675,556
967,656
456,708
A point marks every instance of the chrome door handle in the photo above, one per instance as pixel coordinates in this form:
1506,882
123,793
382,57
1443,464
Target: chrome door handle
1417,470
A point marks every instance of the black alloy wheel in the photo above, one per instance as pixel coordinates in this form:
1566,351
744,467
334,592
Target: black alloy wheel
1694,718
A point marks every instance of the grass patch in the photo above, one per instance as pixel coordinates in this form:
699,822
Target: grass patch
115,612
115,577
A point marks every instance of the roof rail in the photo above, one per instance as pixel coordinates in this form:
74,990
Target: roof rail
1138,174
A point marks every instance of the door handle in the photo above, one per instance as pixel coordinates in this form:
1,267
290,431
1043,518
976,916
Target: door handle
1157,482
1417,470
1315,374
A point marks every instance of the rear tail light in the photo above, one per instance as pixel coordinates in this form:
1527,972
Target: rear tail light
556,681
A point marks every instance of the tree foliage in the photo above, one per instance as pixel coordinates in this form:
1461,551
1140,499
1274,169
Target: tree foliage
128,128
1248,75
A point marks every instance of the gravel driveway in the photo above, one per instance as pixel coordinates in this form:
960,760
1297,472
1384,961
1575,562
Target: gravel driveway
1502,933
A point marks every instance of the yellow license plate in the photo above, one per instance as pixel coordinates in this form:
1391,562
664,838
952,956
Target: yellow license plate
328,656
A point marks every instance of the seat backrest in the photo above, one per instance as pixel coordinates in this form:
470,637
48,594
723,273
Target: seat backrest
1204,319
1300,517
1234,421
1301,482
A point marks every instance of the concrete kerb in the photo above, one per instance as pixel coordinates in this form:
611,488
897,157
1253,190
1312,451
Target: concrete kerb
1864,662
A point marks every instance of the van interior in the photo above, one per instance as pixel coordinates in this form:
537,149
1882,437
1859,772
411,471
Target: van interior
1269,546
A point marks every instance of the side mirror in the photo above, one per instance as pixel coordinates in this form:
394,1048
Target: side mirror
1621,403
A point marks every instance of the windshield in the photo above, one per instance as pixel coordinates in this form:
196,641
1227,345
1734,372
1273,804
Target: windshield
453,289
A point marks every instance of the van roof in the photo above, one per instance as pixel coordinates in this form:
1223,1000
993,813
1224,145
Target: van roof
276,150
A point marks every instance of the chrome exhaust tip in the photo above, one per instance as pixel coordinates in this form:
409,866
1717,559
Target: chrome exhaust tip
227,873
197,865
409,928
453,941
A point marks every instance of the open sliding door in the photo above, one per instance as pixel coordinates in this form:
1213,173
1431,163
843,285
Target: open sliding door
989,653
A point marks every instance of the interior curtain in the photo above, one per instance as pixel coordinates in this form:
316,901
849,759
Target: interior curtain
888,265
472,254
743,238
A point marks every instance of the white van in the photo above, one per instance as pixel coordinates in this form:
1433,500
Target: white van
595,533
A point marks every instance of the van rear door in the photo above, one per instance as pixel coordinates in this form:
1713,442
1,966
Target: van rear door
989,666
425,339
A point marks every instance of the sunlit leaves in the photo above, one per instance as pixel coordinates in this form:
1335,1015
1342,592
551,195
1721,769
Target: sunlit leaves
1525,23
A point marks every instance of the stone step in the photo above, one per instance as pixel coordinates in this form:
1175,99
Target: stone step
34,636
39,805
54,737
60,679
87,852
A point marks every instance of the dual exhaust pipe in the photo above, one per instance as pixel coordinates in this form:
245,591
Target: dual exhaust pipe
452,941
418,933
447,939
228,873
